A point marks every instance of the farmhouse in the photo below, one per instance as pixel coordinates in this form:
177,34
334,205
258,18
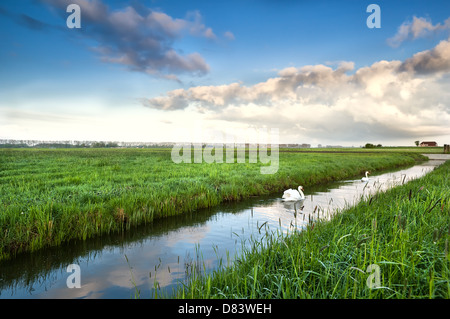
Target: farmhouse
428,144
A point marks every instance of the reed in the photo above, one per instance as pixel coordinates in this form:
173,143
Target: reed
403,233
48,197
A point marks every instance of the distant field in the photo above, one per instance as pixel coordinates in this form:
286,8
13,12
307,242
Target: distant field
398,149
49,196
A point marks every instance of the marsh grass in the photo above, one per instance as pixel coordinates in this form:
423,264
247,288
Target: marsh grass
404,231
48,197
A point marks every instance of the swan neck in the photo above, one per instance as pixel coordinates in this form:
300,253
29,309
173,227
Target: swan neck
301,193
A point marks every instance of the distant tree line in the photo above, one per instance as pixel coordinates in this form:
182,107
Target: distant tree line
9,143
370,145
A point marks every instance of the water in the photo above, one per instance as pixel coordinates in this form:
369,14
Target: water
165,253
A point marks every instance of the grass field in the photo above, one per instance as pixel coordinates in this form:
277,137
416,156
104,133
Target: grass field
400,237
50,196
397,149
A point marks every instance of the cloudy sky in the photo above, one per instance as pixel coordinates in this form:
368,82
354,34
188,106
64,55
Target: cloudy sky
158,70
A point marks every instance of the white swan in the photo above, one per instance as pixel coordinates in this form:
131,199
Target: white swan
293,194
365,179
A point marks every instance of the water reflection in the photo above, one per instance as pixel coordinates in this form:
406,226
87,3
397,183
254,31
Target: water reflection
164,253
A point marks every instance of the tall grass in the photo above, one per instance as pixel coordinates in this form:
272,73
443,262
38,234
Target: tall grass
48,197
403,232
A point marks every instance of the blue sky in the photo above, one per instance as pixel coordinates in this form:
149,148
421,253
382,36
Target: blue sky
154,70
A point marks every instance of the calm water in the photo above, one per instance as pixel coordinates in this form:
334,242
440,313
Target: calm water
164,253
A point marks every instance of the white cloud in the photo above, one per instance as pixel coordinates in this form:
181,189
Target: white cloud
417,28
436,60
229,35
140,38
404,99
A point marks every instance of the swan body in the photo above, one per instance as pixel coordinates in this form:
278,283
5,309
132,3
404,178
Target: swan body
293,194
365,179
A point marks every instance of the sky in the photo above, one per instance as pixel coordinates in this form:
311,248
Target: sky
171,71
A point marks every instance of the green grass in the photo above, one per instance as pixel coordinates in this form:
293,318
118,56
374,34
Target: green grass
384,149
48,197
404,231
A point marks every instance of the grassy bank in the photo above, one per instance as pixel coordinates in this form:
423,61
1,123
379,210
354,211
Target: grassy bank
402,235
51,196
